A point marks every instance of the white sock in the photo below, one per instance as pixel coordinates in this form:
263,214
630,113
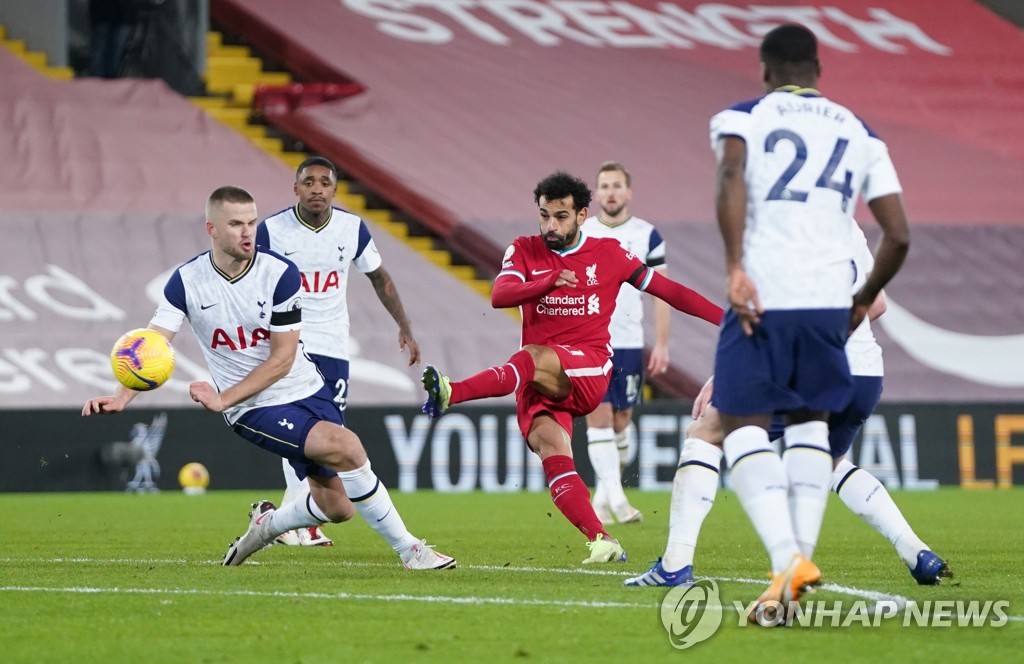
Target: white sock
868,498
693,493
293,486
605,460
809,468
371,499
301,513
599,436
622,445
758,477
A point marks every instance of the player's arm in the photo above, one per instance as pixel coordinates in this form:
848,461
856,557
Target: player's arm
878,307
283,346
658,362
889,255
387,293
511,291
676,295
731,210
511,288
119,400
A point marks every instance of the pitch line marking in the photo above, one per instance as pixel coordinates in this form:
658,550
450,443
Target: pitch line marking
873,595
440,599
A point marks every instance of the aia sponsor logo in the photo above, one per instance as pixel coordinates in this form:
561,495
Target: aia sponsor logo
238,338
320,282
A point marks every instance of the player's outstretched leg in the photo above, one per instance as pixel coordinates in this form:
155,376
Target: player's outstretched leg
439,392
868,498
373,503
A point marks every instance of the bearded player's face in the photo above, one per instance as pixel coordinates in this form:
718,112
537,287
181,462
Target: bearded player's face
559,222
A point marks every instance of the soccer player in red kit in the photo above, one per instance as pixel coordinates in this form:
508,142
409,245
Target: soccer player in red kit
565,285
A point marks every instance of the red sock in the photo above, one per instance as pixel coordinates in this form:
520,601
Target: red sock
571,495
495,381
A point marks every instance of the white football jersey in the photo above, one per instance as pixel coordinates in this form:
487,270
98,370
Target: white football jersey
641,239
808,159
233,319
323,256
862,350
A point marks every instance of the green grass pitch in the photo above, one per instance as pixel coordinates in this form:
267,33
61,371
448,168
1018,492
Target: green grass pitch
113,577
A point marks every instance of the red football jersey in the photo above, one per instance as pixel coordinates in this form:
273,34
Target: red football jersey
573,316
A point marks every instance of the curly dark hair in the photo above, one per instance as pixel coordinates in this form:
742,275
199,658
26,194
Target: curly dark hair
561,184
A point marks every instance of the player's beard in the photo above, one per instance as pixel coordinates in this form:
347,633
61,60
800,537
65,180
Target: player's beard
558,242
611,213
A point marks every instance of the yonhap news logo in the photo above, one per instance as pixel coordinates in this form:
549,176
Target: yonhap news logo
875,613
691,614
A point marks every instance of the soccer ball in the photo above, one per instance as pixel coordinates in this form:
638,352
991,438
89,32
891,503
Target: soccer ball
142,359
194,478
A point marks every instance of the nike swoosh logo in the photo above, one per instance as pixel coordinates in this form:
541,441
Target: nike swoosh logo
536,272
204,307
385,515
989,360
289,253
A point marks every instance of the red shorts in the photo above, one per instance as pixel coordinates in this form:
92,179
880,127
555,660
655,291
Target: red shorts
589,371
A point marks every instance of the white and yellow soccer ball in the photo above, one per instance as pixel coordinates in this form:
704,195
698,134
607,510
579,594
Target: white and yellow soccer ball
194,478
142,359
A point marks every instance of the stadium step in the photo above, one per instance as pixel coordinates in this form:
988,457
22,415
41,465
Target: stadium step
36,59
238,91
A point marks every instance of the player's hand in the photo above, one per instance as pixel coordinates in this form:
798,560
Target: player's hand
406,340
202,392
105,405
861,305
743,298
857,315
703,400
657,363
566,278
